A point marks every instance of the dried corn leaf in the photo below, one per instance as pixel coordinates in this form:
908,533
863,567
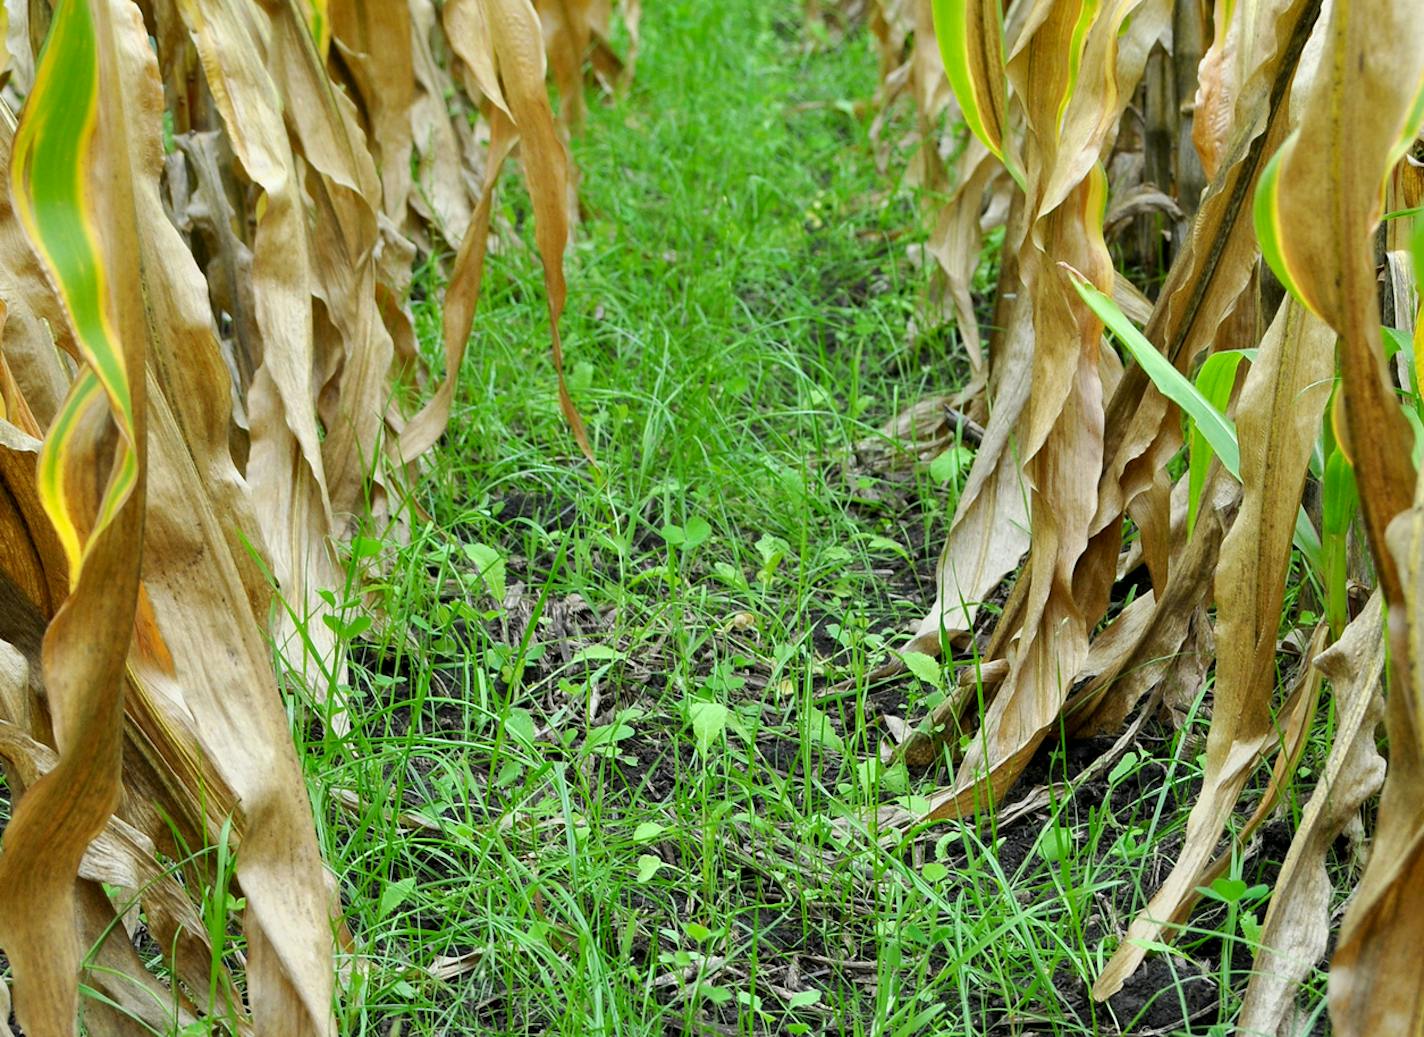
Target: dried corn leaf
73,191
1205,282
1322,197
1374,986
1279,416
1297,925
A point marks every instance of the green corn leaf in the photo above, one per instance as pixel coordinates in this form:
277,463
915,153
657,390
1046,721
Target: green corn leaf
319,22
1340,501
971,42
1416,248
1397,342
48,172
1218,430
1214,381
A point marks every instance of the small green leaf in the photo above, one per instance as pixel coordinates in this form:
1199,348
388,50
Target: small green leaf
772,550
696,931
365,547
394,895
648,866
820,730
730,575
709,723
885,544
874,777
803,999
697,531
951,464
597,653
917,805
1340,501
347,631
1056,844
934,871
1227,889
509,772
519,725
647,831
1251,928
489,563
1123,767
923,666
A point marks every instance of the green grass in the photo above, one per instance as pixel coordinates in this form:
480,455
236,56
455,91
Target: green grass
614,755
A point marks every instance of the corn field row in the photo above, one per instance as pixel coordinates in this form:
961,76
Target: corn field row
208,372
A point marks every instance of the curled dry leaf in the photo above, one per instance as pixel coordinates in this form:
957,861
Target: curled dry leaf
73,192
1297,924
1069,110
1371,989
1043,87
1323,198
137,607
1281,406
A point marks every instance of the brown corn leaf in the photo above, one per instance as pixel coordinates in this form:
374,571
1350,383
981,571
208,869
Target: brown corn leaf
1234,53
375,40
1297,925
1205,282
989,533
1374,985
1324,200
76,150
216,680
518,47
1071,566
568,34
341,180
444,183
123,857
955,244
461,297
1355,121
1279,417
285,467
1102,705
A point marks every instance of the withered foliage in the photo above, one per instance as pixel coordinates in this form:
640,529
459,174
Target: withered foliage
208,226
1234,161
